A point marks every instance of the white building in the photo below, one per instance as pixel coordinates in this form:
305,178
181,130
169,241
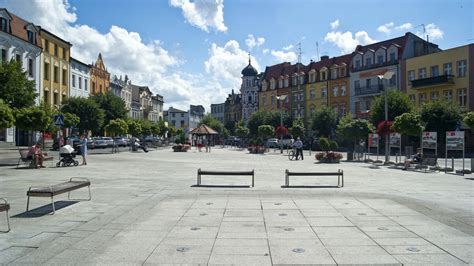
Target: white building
178,118
249,91
19,40
80,79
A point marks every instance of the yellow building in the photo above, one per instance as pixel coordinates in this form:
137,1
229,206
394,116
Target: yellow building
100,78
443,75
54,68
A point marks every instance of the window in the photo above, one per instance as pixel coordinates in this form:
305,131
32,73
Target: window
448,95
462,97
323,75
264,99
368,104
64,76
380,59
301,79
274,99
312,94
448,68
3,24
30,67
301,96
294,97
93,86
368,61
342,72
357,107
80,82
64,53
100,87
357,84
46,71
4,55
173,114
434,71
18,58
393,80
280,83
462,68
56,74
343,110
357,64
324,92
295,80
46,46
335,91
422,98
412,97
182,123
411,75
392,57
74,80
334,73
286,81
31,37
55,49
312,77
85,84
434,95
56,98
343,90
368,83
272,84
421,73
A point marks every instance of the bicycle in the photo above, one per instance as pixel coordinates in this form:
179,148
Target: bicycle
292,154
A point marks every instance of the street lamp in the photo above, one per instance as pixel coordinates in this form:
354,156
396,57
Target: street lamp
388,75
280,99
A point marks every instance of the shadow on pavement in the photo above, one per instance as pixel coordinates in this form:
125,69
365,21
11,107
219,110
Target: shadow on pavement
223,186
46,209
309,187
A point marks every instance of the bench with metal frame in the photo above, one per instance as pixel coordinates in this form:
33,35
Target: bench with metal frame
5,207
54,190
25,158
231,173
427,162
339,174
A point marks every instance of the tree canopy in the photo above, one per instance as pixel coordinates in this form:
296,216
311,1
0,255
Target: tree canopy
265,131
134,128
441,116
408,124
117,127
398,104
354,129
298,129
324,121
113,106
90,114
15,88
212,122
266,118
469,120
6,115
33,118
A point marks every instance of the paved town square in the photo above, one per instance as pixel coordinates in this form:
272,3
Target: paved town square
145,210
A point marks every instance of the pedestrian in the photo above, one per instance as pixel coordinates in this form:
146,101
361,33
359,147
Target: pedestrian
298,145
36,155
199,144
208,145
84,149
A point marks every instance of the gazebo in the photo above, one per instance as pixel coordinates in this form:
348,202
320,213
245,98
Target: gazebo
202,131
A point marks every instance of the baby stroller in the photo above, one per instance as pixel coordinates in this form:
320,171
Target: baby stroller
67,154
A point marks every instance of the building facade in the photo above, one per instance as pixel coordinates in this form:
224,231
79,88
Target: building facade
275,83
249,91
196,113
370,61
178,118
100,78
157,111
232,109
20,41
316,88
442,75
298,79
218,111
55,70
135,103
79,81
338,86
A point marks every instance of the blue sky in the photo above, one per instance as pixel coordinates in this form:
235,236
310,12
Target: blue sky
192,52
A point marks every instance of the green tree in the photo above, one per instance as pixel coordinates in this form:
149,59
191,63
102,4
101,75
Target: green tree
398,104
469,120
71,120
440,116
146,127
241,131
134,128
163,128
181,139
171,131
324,121
212,122
114,107
265,132
7,119
324,144
408,124
298,129
266,118
354,129
15,88
33,118
117,127
155,129
91,116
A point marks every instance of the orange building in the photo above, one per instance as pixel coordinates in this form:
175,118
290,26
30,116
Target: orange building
100,78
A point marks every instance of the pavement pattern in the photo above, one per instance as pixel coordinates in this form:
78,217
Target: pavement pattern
145,210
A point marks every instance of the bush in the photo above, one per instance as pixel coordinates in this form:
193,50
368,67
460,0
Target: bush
333,145
324,144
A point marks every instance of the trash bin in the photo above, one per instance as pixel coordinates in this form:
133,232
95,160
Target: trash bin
350,155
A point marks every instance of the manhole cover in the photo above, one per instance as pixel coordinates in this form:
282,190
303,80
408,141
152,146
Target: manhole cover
195,228
278,203
203,214
413,249
383,228
209,203
283,214
289,229
298,250
182,249
362,214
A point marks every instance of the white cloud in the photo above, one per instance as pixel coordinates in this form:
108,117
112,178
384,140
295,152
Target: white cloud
346,42
405,26
282,56
252,42
287,48
335,24
433,31
124,52
386,28
203,14
265,51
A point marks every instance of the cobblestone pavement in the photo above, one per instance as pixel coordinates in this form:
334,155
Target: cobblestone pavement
145,210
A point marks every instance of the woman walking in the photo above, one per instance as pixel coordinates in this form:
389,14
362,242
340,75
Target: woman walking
84,149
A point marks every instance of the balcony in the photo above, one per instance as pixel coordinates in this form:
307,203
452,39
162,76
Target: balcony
373,89
433,81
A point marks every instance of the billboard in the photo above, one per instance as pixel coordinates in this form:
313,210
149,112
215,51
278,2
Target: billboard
373,140
429,140
454,140
395,140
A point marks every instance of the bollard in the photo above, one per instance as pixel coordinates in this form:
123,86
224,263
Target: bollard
452,164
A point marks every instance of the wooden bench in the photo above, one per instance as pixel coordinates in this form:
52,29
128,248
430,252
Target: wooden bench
232,173
54,190
427,162
339,174
5,207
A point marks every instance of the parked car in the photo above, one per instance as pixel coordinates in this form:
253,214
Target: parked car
91,143
287,141
99,142
121,142
109,141
272,143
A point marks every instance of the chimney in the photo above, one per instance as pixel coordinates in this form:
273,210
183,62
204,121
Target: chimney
324,57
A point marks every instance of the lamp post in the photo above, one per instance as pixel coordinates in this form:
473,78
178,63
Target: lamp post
280,99
388,75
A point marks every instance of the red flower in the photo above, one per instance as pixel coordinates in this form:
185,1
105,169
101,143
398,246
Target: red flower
281,131
384,127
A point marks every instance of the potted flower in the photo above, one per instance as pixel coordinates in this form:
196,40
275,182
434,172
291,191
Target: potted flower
328,155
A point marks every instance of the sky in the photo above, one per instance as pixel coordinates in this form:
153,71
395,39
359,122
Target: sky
192,51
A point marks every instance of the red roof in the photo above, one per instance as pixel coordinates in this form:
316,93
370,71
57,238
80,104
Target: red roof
18,26
399,41
274,71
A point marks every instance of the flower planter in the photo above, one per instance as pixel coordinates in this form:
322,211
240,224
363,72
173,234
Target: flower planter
328,157
181,148
256,149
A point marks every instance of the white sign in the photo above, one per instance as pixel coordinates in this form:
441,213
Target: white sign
373,140
395,140
455,140
429,140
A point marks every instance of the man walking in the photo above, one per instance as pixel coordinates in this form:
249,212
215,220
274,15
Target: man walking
299,148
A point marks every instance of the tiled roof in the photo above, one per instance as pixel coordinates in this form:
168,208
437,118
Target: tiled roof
399,41
329,62
174,110
18,28
274,71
